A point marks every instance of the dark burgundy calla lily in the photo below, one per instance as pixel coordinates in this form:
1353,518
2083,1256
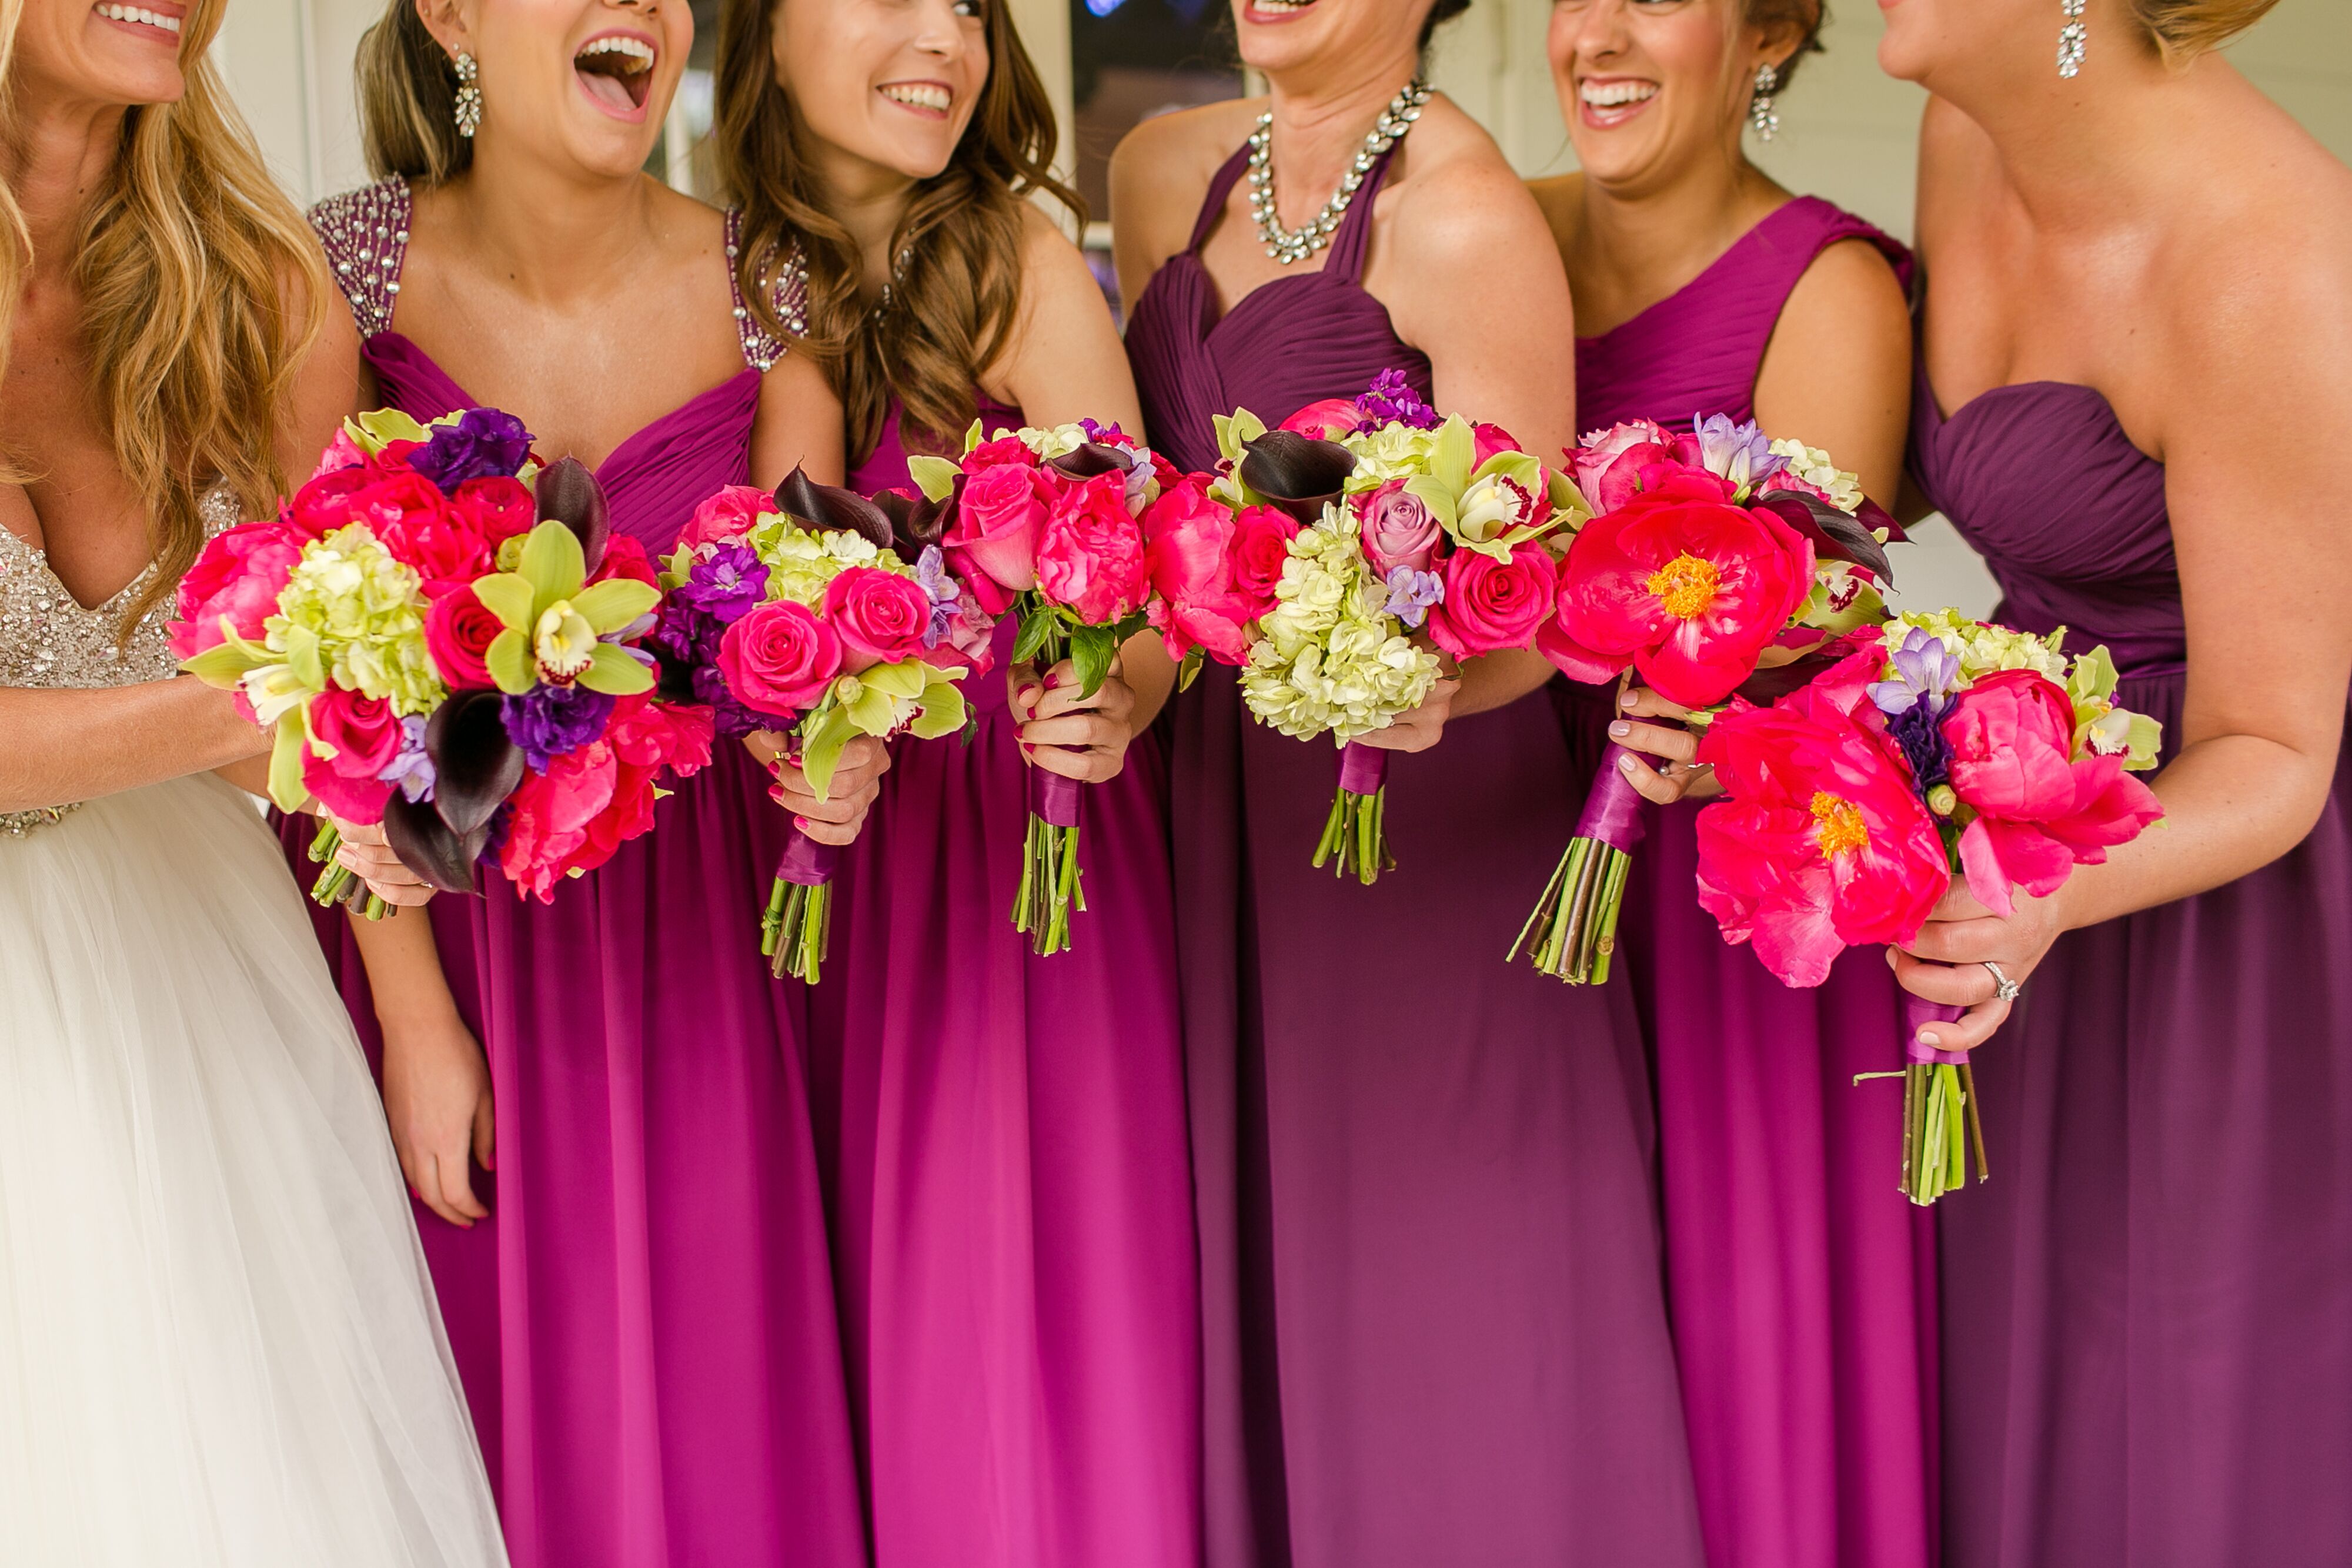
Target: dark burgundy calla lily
426,846
476,765
1088,461
829,508
1836,535
918,522
1297,473
568,494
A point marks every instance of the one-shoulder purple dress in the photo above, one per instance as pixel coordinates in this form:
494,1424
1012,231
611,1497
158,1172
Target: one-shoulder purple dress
1800,1281
1003,1138
1433,1329
2147,1310
645,1326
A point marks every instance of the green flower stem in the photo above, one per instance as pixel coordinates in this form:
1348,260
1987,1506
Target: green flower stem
1941,1130
335,884
1051,887
1573,934
796,929
1355,835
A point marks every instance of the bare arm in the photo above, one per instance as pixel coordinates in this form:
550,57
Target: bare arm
437,1087
798,422
1837,375
67,746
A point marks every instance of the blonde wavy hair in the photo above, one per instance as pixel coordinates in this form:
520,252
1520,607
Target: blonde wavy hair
2184,29
202,292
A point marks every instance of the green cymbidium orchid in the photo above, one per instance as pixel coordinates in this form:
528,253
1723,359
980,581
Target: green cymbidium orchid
2102,727
909,695
1487,506
555,621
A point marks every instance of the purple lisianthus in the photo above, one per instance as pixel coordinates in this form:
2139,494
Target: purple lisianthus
411,767
1411,593
1390,400
1739,452
484,441
548,722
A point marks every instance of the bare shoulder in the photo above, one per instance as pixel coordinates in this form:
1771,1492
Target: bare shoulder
1054,271
1460,203
1160,171
1850,279
1560,199
692,228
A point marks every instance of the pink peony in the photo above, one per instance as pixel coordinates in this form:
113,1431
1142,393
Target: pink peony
341,453
627,559
726,515
458,631
779,657
2041,811
588,802
997,522
1262,536
879,616
323,504
439,540
1822,843
1491,605
1188,557
1090,553
1682,585
1397,529
1005,452
238,578
1326,420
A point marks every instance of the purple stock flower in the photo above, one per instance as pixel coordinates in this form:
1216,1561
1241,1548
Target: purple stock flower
1390,400
1411,593
932,571
412,770
727,585
548,722
1739,452
484,441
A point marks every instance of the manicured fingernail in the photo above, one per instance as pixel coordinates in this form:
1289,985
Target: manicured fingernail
1052,681
1627,699
801,823
1628,765
1930,1038
1620,729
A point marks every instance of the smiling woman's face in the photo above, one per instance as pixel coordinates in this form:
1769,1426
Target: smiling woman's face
1648,86
104,53
892,83
582,81
1283,37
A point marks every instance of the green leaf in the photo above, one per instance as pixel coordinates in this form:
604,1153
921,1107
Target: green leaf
823,734
1091,650
972,438
1190,670
935,476
612,672
552,563
225,663
509,597
1036,628
286,786
510,664
612,604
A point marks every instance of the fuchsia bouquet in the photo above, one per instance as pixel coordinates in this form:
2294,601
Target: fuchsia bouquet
441,631
1352,536
812,613
1936,745
1047,526
1717,561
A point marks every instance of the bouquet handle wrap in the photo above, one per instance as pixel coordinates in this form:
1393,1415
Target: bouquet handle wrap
1573,932
1050,886
1941,1128
1355,835
795,928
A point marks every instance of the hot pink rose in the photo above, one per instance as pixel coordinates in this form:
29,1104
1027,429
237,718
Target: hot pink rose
458,632
363,736
2042,810
499,506
439,540
726,515
1491,605
1188,556
1681,584
997,522
880,616
1399,529
588,802
1006,451
1328,420
1822,842
323,504
1607,466
238,577
625,558
1262,538
1090,553
779,658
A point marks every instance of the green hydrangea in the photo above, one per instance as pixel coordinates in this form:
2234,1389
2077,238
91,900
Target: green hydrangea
353,615
1333,660
1812,465
1983,649
1391,452
800,564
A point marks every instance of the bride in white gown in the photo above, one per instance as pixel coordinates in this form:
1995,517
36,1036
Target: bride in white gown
218,1344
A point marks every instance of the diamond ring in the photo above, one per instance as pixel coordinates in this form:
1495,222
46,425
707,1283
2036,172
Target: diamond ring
2003,988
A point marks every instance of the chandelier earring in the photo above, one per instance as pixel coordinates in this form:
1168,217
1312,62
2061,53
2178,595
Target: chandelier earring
470,94
1760,118
2071,39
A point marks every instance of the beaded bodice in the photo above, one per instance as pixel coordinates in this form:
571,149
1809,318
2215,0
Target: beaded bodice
365,236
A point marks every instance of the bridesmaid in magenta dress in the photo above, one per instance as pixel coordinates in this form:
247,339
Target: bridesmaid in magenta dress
1800,1284
1002,1135
643,1314
1433,1330
2147,1350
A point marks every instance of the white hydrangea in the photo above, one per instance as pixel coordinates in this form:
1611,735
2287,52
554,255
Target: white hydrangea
1333,660
1812,465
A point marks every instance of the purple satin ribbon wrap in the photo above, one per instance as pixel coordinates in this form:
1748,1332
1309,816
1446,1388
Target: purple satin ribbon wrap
1055,801
1612,813
1363,769
806,863
1919,1012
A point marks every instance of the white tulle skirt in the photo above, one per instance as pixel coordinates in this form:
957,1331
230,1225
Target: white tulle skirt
219,1344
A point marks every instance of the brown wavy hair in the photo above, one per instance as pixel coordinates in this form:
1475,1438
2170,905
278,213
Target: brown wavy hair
960,297
408,100
202,293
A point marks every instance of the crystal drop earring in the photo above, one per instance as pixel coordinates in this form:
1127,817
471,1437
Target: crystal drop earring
1760,118
469,96
2071,39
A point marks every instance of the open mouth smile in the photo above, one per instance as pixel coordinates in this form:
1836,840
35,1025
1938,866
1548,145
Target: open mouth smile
616,72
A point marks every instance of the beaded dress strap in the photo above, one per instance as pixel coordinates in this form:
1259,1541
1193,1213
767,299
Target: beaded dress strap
787,297
365,236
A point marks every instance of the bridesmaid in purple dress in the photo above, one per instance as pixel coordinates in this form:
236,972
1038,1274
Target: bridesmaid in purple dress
643,1314
1798,1282
1002,1135
2147,1310
1433,1330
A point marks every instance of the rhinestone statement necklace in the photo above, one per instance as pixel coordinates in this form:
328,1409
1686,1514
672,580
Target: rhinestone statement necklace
1289,246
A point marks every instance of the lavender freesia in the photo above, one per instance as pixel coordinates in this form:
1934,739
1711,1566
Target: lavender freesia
411,767
1739,452
1412,594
